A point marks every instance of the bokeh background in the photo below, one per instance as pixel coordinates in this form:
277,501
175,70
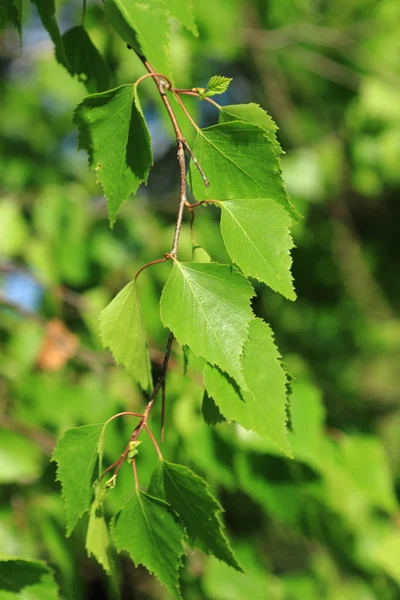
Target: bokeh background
323,526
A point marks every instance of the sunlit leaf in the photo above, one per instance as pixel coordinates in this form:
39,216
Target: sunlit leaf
207,307
122,330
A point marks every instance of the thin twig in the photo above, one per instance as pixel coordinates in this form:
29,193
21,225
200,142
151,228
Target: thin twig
152,262
162,412
197,164
123,414
153,439
159,75
185,110
197,95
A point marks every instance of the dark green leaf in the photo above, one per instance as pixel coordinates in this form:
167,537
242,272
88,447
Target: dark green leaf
84,60
113,131
147,529
47,13
251,113
22,579
76,455
190,497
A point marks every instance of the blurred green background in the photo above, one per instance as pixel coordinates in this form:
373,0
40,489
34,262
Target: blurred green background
326,525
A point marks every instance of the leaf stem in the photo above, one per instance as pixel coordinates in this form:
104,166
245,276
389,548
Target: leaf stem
185,110
153,439
159,75
152,262
196,94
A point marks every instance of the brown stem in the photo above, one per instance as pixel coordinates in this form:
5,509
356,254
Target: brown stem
185,110
160,75
162,412
196,94
153,439
152,262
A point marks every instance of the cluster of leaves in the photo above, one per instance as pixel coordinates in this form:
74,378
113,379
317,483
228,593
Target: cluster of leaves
323,495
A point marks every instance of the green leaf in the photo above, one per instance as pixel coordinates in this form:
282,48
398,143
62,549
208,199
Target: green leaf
183,12
240,162
217,85
251,113
113,131
47,14
144,25
257,238
122,330
84,60
22,579
11,12
199,255
147,529
76,454
97,538
190,496
207,307
261,406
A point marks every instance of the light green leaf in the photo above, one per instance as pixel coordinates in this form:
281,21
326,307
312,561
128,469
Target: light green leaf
251,113
22,579
261,407
113,131
47,14
84,60
97,538
76,454
122,330
200,255
147,529
143,24
183,12
216,85
190,496
207,307
257,238
240,162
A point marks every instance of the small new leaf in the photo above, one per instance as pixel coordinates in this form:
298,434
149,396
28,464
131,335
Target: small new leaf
122,330
147,529
76,455
216,85
207,307
261,407
113,131
190,496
